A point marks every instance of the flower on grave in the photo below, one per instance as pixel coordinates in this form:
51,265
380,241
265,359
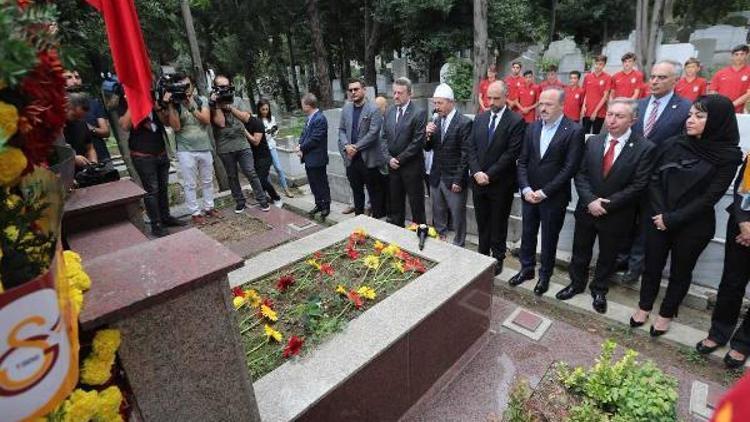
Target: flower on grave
272,334
372,261
74,273
358,236
355,298
379,246
109,404
97,367
238,301
268,313
237,292
294,346
352,253
12,163
399,266
367,292
284,282
252,297
340,289
8,122
80,405
327,269
432,232
412,227
313,263
318,255
392,249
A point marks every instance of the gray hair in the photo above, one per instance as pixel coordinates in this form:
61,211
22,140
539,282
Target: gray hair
560,93
402,81
78,99
676,65
503,86
310,99
629,102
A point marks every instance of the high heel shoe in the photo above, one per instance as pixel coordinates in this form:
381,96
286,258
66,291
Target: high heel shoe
733,363
656,333
706,350
636,324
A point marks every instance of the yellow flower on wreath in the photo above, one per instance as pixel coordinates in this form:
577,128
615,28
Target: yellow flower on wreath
80,406
8,122
109,405
268,313
12,164
272,334
97,367
372,261
367,292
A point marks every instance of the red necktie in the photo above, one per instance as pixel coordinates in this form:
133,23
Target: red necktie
609,157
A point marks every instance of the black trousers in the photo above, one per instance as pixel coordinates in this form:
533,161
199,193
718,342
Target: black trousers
318,180
734,281
584,236
263,168
405,181
154,174
551,220
492,210
595,123
685,246
360,177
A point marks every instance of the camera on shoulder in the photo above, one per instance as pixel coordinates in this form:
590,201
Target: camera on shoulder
223,95
175,84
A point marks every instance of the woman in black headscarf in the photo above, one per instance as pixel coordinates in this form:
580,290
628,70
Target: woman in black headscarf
692,173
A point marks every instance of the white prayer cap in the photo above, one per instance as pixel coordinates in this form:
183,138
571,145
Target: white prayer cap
444,91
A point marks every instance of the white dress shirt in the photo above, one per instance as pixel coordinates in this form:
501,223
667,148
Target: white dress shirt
621,140
663,101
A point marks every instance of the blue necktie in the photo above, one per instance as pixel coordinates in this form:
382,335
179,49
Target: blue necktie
491,130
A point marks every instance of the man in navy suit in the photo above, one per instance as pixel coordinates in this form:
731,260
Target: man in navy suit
494,147
550,156
313,152
662,115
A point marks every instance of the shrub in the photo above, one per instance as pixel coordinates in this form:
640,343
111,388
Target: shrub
460,77
627,389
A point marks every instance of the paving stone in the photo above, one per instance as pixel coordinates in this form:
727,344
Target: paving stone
528,320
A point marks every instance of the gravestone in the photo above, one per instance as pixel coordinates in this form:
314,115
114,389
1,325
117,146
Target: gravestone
726,37
614,50
706,49
400,68
677,52
338,94
569,62
528,59
444,70
559,49
383,83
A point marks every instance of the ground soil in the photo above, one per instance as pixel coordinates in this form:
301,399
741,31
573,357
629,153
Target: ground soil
234,227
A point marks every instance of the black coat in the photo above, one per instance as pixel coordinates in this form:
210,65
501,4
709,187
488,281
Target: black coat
496,159
623,186
551,173
740,215
450,152
405,140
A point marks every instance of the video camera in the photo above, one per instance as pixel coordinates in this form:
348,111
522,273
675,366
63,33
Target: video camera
223,94
111,85
172,83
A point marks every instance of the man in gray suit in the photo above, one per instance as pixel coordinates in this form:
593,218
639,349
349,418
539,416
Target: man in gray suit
403,137
448,136
359,138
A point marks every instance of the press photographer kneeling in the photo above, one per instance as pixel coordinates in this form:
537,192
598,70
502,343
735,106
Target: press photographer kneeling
229,115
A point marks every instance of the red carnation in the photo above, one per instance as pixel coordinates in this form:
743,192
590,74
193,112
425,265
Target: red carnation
284,282
318,255
326,269
294,346
268,302
353,254
237,292
355,298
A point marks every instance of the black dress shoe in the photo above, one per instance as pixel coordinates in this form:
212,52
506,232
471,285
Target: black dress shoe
498,267
733,363
314,211
705,350
569,291
325,212
173,222
158,230
521,276
541,286
656,333
599,303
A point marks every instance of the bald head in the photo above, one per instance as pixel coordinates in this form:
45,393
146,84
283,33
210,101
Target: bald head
496,93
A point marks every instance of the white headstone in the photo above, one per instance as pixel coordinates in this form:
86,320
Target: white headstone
614,50
569,62
383,83
677,52
399,68
726,36
558,49
706,49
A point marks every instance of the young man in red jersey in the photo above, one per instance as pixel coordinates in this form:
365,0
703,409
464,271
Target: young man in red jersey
573,97
733,81
628,82
551,79
514,82
596,87
528,97
691,86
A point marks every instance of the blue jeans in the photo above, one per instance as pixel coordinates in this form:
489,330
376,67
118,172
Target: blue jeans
279,170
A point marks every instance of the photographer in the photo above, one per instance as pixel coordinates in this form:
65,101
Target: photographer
96,118
149,155
76,133
188,114
228,117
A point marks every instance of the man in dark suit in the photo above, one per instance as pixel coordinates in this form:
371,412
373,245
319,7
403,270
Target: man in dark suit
448,137
614,173
550,156
494,147
662,115
359,138
313,152
403,137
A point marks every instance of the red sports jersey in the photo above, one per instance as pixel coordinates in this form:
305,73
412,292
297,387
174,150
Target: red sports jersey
595,87
690,90
573,102
732,84
514,83
483,86
545,83
528,95
625,84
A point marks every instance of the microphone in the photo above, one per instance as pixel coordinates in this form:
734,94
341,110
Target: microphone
422,232
435,120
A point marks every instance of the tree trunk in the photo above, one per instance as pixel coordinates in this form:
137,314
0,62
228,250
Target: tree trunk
647,22
321,56
552,20
198,72
281,75
669,11
480,47
372,41
292,62
653,34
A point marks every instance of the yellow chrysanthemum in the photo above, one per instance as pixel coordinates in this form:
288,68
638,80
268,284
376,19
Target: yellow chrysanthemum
11,233
379,245
76,300
272,334
340,289
392,249
106,342
252,297
238,301
80,406
432,232
109,405
372,261
367,292
12,163
399,266
268,313
97,367
8,122
313,263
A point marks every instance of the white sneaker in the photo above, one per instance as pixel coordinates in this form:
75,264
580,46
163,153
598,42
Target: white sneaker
278,204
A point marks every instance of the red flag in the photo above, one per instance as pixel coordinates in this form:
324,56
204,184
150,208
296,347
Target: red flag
129,53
